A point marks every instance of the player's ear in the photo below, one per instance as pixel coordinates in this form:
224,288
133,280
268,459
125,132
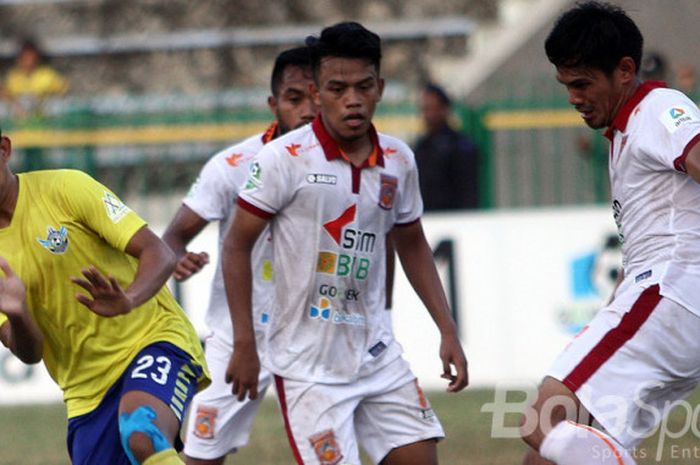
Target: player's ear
627,70
272,103
380,85
5,147
315,94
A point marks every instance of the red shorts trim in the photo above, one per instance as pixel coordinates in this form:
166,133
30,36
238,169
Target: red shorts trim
614,339
279,384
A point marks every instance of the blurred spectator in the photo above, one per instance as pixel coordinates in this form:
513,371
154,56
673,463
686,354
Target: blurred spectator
653,67
686,80
448,161
31,81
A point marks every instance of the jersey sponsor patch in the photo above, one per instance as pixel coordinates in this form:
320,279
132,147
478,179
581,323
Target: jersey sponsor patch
320,178
254,176
676,116
205,422
56,240
326,447
116,210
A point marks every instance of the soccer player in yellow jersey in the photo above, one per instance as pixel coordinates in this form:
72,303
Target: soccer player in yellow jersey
82,287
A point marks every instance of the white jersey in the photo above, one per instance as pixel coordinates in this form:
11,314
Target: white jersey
213,197
329,223
656,205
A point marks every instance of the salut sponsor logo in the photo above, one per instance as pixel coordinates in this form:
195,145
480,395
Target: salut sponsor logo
319,178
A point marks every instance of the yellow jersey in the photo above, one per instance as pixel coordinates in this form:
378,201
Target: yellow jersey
41,82
65,221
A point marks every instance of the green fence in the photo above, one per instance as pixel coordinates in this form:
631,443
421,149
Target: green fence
533,153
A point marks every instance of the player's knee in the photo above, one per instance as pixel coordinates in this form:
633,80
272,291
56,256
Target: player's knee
140,436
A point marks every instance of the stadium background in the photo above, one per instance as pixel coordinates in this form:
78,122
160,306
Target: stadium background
157,86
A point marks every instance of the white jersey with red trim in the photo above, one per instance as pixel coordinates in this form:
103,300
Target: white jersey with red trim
329,222
213,197
656,205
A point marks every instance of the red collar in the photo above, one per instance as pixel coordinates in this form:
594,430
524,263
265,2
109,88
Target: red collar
620,121
270,133
331,148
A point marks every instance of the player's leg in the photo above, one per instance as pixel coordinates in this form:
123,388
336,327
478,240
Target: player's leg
157,388
318,419
394,422
218,423
638,354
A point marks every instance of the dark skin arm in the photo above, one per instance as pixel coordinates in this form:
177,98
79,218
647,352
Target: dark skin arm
108,298
417,261
692,163
182,229
19,333
244,365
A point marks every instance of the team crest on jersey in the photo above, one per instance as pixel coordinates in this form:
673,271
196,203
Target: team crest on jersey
326,447
116,210
56,240
387,191
254,176
205,422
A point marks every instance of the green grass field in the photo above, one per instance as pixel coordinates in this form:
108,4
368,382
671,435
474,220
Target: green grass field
35,435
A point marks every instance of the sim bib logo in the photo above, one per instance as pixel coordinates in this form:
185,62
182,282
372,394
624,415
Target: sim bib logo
351,240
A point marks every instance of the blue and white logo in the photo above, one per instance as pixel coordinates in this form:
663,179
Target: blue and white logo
56,240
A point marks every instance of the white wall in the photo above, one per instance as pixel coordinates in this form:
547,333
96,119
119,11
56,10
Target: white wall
514,271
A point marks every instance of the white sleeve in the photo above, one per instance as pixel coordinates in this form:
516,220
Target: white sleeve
410,205
214,192
269,186
677,123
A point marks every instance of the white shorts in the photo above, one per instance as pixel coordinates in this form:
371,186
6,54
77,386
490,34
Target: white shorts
638,354
218,423
381,411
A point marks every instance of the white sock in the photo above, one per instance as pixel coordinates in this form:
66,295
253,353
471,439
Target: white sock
571,443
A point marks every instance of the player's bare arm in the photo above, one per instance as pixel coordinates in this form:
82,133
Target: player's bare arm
417,261
108,298
244,366
19,333
182,229
692,162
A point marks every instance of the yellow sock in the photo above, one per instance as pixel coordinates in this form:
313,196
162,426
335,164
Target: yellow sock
166,457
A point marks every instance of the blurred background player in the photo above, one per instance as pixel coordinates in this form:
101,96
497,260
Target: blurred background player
31,81
641,352
448,161
125,355
332,191
219,423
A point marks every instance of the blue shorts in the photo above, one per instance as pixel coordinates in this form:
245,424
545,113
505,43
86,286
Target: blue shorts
161,369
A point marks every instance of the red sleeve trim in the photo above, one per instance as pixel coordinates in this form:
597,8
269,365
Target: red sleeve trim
679,163
401,225
250,208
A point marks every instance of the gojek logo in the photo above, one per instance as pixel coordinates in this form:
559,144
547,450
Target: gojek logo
351,240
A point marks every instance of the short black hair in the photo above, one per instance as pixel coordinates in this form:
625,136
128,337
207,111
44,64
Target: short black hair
594,35
345,40
298,56
439,92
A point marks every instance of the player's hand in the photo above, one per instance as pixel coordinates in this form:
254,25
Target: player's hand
243,371
191,263
452,355
108,297
12,291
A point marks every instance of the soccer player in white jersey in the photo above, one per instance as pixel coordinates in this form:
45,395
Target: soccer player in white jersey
219,424
331,192
610,387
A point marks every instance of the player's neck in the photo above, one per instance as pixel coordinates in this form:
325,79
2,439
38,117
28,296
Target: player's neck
8,200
